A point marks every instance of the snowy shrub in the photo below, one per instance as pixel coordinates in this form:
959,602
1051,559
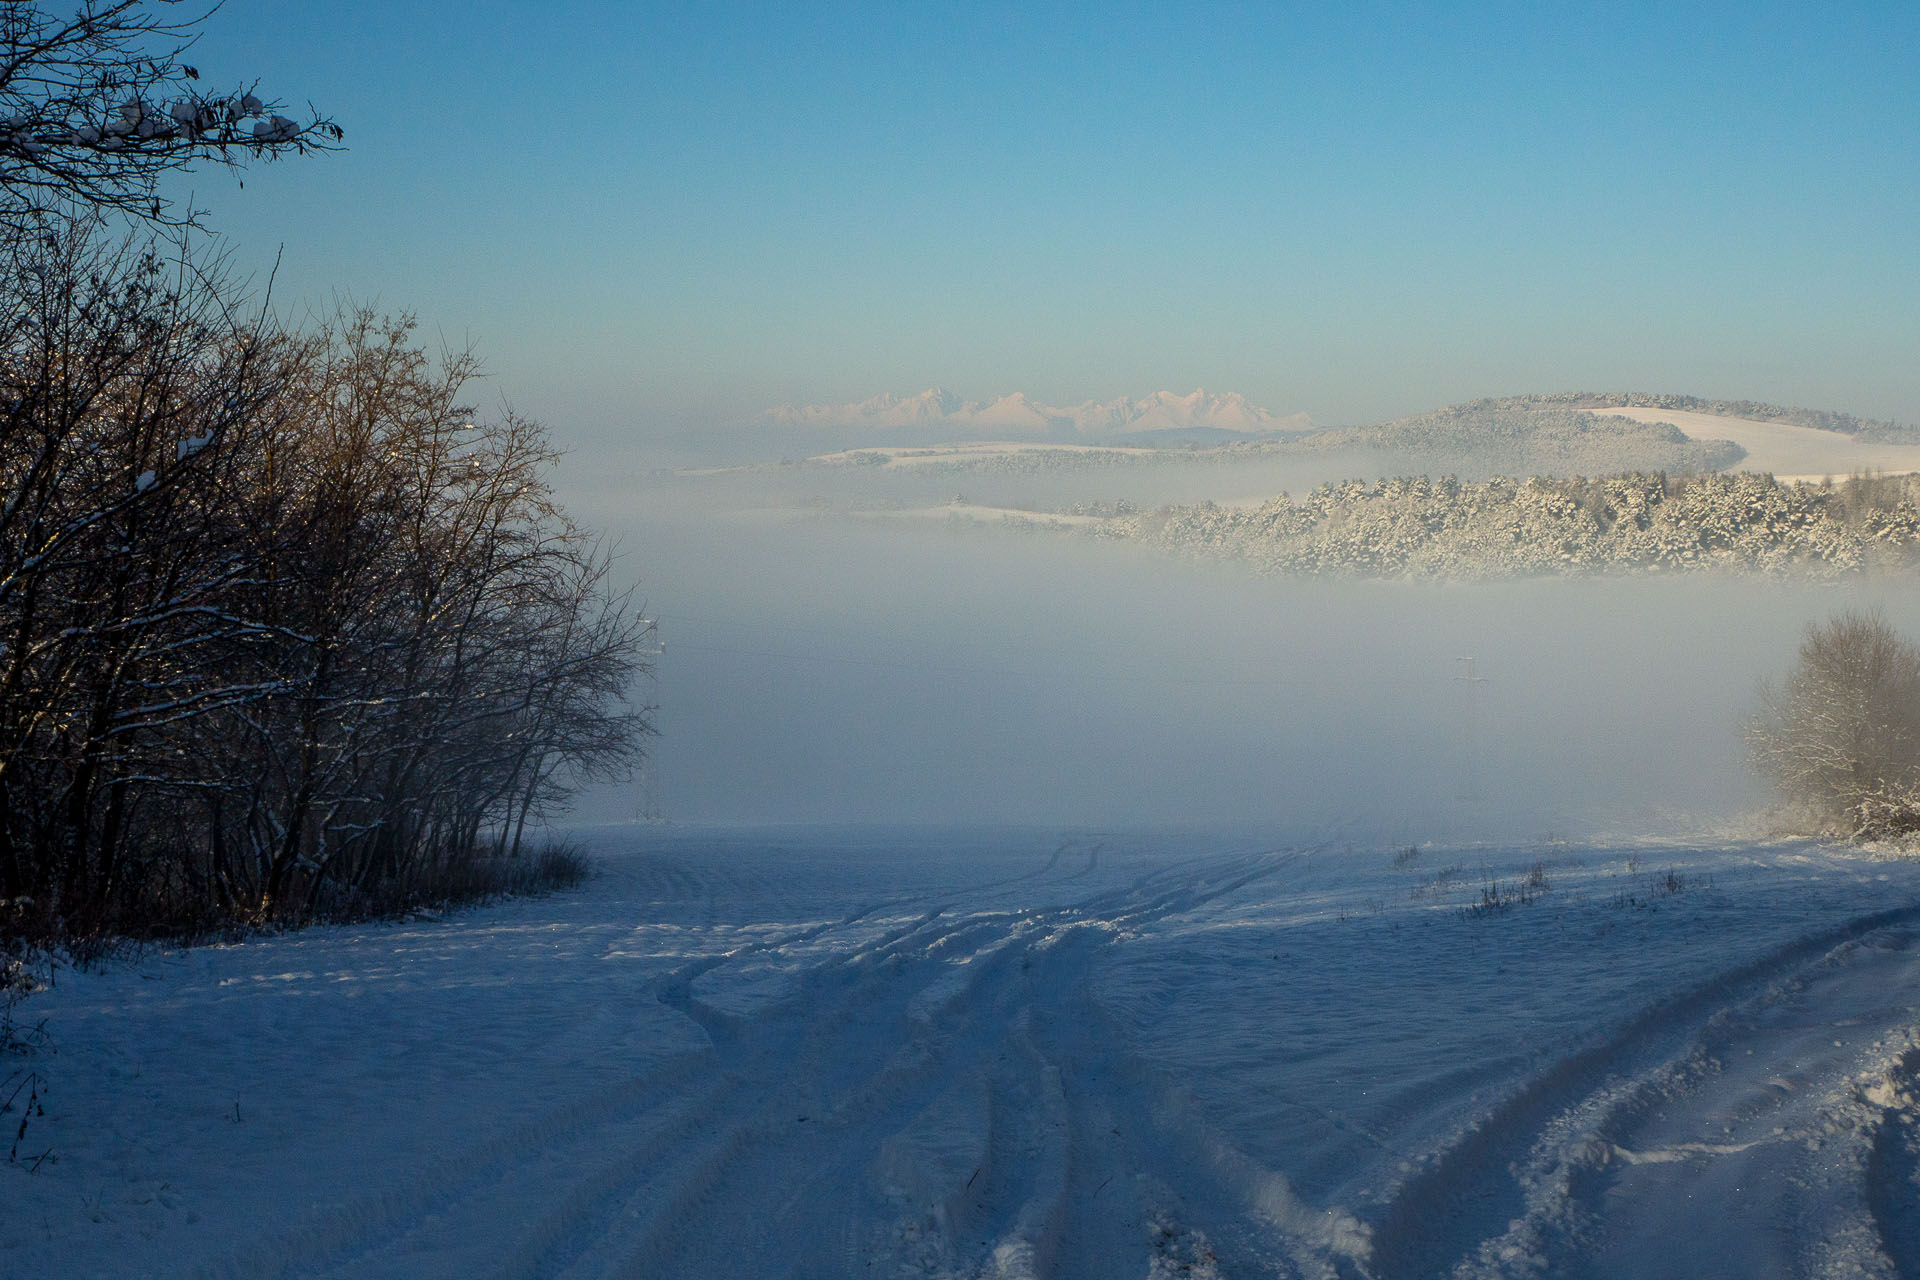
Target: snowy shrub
1839,736
21,1087
16,983
455,881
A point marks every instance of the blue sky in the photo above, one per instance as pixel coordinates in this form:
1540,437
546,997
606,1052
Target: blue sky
653,216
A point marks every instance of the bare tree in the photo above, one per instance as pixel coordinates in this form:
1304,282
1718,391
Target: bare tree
1840,735
97,106
284,626
442,654
127,394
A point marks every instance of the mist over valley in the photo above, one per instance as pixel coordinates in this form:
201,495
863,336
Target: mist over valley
830,641
902,632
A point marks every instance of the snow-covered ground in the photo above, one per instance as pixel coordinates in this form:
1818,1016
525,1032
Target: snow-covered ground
973,1052
1785,451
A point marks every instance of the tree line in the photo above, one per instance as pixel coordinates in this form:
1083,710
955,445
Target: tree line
285,628
1640,522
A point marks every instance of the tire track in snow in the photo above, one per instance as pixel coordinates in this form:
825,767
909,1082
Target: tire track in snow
749,1217
744,1214
1468,1212
1117,1175
696,1163
347,1239
1151,1183
623,1220
343,1238
1893,1168
1771,1116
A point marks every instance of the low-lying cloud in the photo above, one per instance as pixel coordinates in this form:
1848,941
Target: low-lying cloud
820,667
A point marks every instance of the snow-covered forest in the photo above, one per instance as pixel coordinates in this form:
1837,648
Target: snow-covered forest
1501,528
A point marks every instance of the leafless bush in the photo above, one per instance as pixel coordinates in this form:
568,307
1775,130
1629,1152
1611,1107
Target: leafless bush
1498,897
1839,737
16,983
1646,895
456,882
1437,884
21,1086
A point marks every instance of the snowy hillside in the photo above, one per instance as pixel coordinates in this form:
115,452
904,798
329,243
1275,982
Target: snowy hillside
1524,437
769,1052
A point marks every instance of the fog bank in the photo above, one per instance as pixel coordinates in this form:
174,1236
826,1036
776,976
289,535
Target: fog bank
824,668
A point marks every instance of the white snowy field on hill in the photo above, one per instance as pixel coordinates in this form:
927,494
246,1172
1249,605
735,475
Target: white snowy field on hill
949,1052
1783,450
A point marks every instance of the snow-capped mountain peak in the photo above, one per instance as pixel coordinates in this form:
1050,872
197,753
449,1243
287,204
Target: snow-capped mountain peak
1019,414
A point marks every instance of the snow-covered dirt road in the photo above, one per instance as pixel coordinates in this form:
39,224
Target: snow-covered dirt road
993,1053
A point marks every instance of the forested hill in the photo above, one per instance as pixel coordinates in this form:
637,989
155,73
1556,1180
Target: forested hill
1478,440
1752,410
1522,436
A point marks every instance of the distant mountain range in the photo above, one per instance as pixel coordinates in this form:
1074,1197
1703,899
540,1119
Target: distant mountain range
1199,415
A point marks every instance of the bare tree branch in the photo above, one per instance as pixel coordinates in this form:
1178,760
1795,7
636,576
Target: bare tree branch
97,108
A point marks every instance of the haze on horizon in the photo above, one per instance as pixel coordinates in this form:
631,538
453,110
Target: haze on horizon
656,224
653,221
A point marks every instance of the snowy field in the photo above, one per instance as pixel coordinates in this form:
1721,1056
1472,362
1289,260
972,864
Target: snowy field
1786,452
969,1052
